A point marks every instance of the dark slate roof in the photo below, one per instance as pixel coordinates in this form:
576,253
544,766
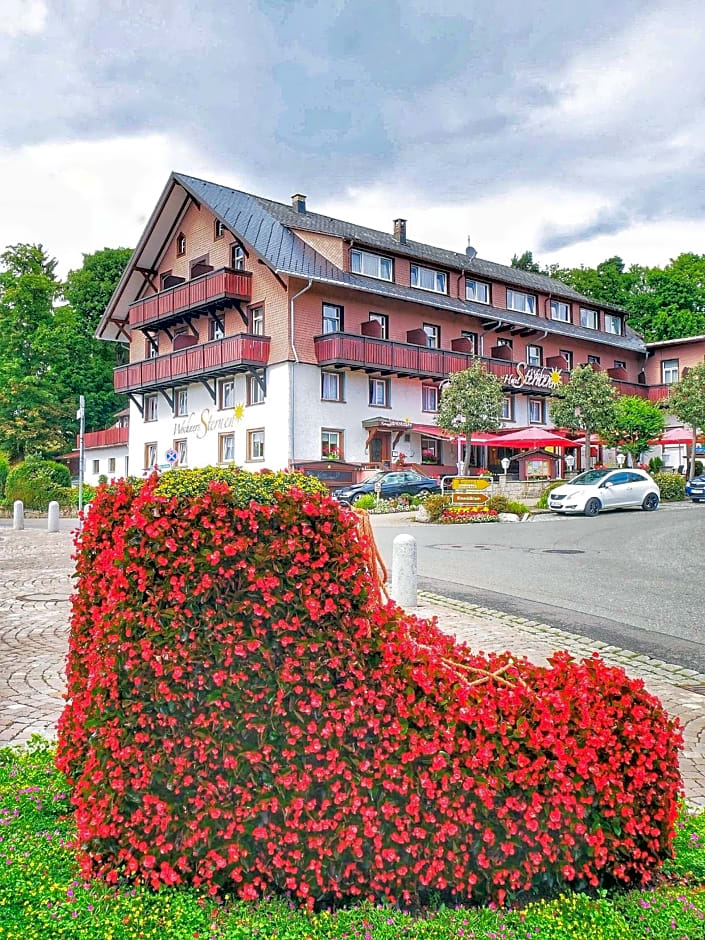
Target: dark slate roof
266,227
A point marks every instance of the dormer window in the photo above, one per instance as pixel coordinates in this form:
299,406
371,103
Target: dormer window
181,244
477,291
237,258
429,279
219,229
613,324
365,262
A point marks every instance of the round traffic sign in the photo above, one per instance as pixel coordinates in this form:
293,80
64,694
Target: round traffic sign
172,457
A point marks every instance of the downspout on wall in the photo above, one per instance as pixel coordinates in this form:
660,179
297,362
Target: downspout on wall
292,387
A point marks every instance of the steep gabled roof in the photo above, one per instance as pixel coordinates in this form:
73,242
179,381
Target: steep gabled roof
267,228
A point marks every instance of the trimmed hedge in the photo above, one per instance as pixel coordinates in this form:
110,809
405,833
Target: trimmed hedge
4,470
37,482
244,715
672,485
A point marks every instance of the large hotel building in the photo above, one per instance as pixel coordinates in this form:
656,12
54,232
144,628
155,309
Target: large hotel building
265,334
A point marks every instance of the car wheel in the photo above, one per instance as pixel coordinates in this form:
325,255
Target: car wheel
356,498
592,507
650,502
422,494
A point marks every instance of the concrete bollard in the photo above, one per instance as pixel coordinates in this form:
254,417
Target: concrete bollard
404,572
53,517
18,515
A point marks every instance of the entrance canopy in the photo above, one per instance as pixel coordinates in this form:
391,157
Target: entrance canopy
529,438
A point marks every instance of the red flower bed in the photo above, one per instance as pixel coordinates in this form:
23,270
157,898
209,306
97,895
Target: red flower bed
243,714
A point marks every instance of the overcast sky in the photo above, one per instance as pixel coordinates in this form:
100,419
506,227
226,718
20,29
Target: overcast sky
572,128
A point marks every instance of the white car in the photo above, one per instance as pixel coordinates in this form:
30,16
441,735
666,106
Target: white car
595,490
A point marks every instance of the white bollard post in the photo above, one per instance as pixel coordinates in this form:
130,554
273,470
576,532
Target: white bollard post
53,517
404,572
18,515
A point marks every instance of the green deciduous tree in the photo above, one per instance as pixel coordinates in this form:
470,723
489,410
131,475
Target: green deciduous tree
585,403
471,401
525,262
687,402
636,422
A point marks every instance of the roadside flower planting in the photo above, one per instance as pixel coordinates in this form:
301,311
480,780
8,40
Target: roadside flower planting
469,514
244,717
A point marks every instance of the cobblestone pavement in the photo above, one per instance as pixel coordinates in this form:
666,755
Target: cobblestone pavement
35,585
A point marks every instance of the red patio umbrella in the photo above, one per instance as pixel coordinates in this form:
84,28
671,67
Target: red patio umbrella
675,436
530,437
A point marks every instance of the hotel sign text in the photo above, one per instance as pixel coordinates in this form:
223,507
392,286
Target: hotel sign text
203,424
533,377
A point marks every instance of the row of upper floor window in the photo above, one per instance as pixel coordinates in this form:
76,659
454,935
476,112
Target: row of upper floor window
254,389
226,449
437,281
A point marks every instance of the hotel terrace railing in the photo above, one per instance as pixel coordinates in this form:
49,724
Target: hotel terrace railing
109,437
393,358
238,353
209,291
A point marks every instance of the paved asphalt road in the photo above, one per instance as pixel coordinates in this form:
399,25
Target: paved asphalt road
629,578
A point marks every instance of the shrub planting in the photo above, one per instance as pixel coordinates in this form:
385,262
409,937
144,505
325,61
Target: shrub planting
671,485
366,501
37,482
4,470
543,498
244,715
435,506
504,504
470,514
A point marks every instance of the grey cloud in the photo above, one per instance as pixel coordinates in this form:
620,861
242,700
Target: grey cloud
445,98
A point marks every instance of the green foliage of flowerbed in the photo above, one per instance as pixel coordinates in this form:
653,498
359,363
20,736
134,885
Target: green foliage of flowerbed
672,486
504,504
543,498
43,897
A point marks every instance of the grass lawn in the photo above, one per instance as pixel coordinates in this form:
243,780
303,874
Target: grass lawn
42,895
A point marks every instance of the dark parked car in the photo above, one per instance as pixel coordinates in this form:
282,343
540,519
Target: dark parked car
392,483
695,488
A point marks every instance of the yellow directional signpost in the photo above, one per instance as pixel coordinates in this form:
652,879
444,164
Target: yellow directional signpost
470,491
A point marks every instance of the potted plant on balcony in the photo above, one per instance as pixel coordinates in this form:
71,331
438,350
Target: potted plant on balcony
428,455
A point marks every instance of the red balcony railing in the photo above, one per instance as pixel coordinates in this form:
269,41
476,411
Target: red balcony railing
223,356
217,288
106,438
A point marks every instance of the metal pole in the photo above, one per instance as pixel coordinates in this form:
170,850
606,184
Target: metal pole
81,415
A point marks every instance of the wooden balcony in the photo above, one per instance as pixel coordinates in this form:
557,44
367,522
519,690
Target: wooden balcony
201,295
110,437
240,353
654,393
349,350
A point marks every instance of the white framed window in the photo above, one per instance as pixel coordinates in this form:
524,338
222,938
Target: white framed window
534,355
379,392
111,465
508,408
237,258
478,291
150,455
568,356
226,448
151,407
331,444
255,444
181,402
433,335
613,324
331,386
383,321
226,394
430,450
332,318
151,349
467,334
593,360
535,411
215,329
620,364
521,302
181,244
365,262
560,311
218,229
429,398
589,318
181,448
429,279
96,466
669,371
257,320
501,341
255,392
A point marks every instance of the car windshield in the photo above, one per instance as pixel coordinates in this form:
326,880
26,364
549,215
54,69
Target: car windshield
589,477
378,477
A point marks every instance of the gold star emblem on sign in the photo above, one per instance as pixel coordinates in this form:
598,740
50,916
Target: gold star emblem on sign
239,411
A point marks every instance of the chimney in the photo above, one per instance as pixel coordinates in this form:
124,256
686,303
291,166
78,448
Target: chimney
470,251
298,202
400,231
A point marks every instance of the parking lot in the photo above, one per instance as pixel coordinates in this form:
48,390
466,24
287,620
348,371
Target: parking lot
627,577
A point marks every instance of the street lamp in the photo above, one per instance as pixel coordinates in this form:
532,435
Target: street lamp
620,460
570,462
505,461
